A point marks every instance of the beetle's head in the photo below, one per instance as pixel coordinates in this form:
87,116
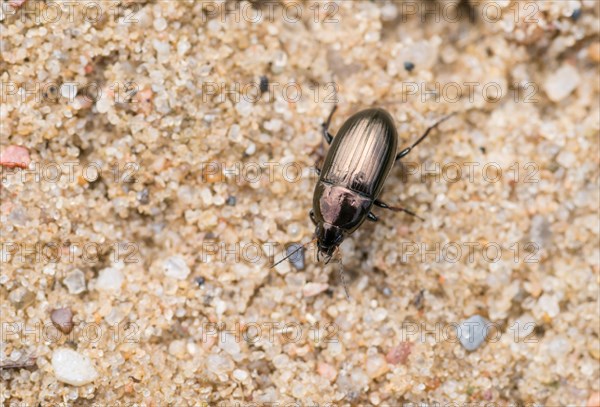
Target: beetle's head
329,238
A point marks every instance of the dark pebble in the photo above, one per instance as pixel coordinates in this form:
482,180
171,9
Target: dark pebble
419,298
297,259
143,196
231,201
264,84
409,66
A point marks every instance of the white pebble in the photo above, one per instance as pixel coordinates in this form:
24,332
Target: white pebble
380,314
161,47
524,326
273,125
376,366
72,367
548,304
103,105
68,90
251,149
279,62
561,83
160,24
220,307
312,289
566,159
213,25
219,364
234,133
109,279
177,348
175,267
239,374
75,282
163,50
281,361
206,196
423,54
244,107
284,267
230,345
183,46
389,12
358,378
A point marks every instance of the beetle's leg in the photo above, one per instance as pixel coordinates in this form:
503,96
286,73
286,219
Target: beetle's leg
326,135
409,149
312,217
372,217
382,204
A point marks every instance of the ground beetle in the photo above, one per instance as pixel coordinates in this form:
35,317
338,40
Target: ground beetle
357,164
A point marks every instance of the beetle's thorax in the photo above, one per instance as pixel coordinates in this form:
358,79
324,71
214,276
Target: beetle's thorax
340,207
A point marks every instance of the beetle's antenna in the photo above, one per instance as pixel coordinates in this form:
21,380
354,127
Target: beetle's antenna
294,252
433,126
342,276
416,143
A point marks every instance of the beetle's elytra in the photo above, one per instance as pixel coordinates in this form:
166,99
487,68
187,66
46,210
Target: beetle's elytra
357,164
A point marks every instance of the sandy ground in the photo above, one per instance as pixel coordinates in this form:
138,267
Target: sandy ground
148,182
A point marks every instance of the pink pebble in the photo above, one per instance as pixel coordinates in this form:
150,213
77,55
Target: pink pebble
17,3
326,371
399,354
14,156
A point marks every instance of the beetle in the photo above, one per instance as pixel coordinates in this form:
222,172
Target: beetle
356,167
358,162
